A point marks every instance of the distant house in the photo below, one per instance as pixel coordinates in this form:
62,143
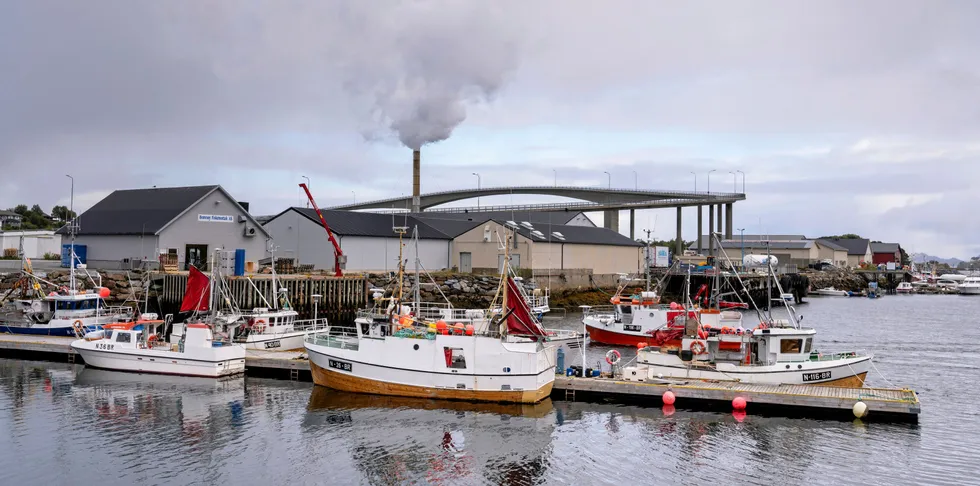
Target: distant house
183,225
858,250
10,219
830,250
886,253
543,247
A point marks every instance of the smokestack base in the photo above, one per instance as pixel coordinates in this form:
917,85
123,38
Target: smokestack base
416,180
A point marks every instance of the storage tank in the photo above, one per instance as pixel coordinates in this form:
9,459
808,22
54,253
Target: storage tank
750,261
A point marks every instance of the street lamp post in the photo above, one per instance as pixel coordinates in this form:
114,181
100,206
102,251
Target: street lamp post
71,197
709,180
695,174
610,178
741,232
307,187
477,188
743,180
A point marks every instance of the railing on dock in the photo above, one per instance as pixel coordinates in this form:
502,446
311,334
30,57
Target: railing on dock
340,299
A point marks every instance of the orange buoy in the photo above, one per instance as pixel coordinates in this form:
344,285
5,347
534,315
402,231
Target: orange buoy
104,293
669,398
458,328
441,327
469,329
738,403
726,330
641,345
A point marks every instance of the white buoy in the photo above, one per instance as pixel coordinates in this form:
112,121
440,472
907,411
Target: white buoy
860,409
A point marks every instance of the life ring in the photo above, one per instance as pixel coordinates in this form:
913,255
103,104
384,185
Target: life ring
697,347
259,326
78,327
613,354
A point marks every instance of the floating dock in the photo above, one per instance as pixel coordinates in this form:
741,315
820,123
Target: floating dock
891,404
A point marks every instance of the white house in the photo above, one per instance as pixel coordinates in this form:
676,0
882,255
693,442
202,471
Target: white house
37,243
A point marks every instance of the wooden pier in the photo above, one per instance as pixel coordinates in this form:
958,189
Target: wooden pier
340,299
805,400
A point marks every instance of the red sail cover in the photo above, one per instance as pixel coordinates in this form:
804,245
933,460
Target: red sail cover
198,292
520,321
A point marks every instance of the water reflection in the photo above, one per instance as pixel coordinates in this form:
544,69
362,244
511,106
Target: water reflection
393,439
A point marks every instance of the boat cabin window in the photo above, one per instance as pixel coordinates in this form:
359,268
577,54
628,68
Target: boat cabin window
76,305
790,346
626,309
123,337
808,343
454,358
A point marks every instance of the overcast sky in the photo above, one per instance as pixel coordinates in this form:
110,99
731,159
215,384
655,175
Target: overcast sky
846,117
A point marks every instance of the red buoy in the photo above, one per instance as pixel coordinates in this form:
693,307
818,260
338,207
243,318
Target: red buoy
738,403
669,398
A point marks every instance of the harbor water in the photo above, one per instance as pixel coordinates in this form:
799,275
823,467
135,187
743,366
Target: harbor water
64,424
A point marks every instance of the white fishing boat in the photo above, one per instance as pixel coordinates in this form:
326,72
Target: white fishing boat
830,292
68,311
969,286
274,327
905,288
139,346
777,351
502,359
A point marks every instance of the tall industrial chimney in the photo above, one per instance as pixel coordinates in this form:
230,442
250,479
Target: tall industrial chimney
416,185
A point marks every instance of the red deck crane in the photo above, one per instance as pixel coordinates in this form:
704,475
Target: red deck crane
337,253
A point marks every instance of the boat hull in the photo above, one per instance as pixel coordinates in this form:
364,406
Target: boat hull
850,372
227,362
969,290
276,342
493,371
346,382
612,338
42,330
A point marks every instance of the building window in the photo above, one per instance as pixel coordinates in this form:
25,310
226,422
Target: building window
790,346
454,358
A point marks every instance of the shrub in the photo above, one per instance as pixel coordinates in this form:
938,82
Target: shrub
52,256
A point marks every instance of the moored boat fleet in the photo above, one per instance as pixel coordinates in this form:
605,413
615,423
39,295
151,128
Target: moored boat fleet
400,346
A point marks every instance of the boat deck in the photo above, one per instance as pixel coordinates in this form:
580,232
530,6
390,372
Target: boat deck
893,403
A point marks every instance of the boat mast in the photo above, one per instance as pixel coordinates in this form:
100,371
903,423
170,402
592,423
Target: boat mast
646,259
275,289
401,266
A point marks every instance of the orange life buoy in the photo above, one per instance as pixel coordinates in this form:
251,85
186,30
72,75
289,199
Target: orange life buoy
615,300
613,353
259,326
697,347
79,327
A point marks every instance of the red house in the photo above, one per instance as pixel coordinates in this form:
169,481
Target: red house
885,253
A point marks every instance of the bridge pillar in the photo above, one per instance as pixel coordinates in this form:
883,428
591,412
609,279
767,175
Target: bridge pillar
720,221
680,241
610,219
711,229
728,221
700,229
633,224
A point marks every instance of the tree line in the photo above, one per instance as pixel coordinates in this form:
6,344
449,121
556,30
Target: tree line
34,218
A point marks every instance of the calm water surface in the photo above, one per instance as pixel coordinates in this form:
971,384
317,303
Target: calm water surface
63,424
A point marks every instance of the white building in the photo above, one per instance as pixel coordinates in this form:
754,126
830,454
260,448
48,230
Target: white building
37,243
367,239
181,224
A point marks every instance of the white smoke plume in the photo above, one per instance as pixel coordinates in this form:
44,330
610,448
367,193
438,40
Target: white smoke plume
419,64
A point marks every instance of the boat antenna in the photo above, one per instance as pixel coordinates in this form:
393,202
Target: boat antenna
275,290
418,282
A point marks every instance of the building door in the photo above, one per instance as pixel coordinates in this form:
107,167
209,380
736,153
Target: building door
196,255
466,262
515,261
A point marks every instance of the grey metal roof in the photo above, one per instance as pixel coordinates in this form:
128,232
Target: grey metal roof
354,223
138,211
582,235
761,245
449,227
884,248
533,217
856,246
831,244
8,213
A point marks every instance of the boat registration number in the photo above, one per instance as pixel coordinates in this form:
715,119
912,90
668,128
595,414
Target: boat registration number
340,365
105,346
272,344
821,375
632,327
